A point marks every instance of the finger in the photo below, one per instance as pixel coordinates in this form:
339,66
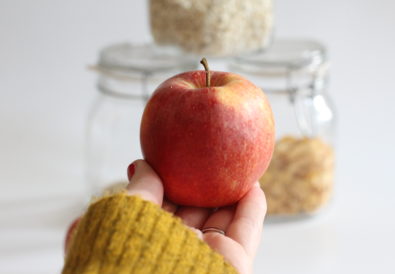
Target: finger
246,226
198,232
220,219
144,182
193,216
232,251
169,206
70,234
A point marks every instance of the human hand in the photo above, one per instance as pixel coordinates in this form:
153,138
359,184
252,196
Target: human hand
241,223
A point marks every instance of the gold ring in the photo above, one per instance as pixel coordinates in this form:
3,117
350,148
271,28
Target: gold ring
213,229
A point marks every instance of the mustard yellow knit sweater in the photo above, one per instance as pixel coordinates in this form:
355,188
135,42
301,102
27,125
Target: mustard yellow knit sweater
125,234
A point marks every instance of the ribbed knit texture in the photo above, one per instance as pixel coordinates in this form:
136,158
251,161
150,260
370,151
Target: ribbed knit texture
125,234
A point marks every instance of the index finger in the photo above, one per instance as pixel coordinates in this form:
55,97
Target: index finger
144,182
247,223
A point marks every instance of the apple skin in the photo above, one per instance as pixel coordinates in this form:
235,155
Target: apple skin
208,145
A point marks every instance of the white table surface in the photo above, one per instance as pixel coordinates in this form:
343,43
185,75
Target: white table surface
45,92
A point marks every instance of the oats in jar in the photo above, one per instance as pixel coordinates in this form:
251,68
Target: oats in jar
216,28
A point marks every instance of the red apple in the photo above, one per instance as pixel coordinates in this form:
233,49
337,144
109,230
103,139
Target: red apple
209,136
70,233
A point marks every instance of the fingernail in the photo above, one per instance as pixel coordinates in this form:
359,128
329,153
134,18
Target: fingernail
131,170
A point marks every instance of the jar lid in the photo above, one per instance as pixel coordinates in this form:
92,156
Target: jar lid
129,58
287,66
283,56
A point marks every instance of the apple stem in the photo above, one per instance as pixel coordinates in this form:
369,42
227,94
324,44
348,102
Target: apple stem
205,65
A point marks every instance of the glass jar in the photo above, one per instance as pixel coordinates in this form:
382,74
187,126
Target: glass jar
212,28
294,76
127,75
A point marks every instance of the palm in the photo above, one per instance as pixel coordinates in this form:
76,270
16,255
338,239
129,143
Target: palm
241,223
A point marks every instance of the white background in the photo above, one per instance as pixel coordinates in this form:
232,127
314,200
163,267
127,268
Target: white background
45,93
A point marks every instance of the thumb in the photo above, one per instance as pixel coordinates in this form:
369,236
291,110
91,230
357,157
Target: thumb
144,182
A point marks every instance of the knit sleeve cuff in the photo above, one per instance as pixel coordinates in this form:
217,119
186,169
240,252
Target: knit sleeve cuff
126,234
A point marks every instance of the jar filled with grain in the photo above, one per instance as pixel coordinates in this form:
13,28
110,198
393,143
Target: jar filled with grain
212,28
294,75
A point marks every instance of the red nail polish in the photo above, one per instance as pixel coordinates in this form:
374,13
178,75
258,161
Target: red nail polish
131,169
